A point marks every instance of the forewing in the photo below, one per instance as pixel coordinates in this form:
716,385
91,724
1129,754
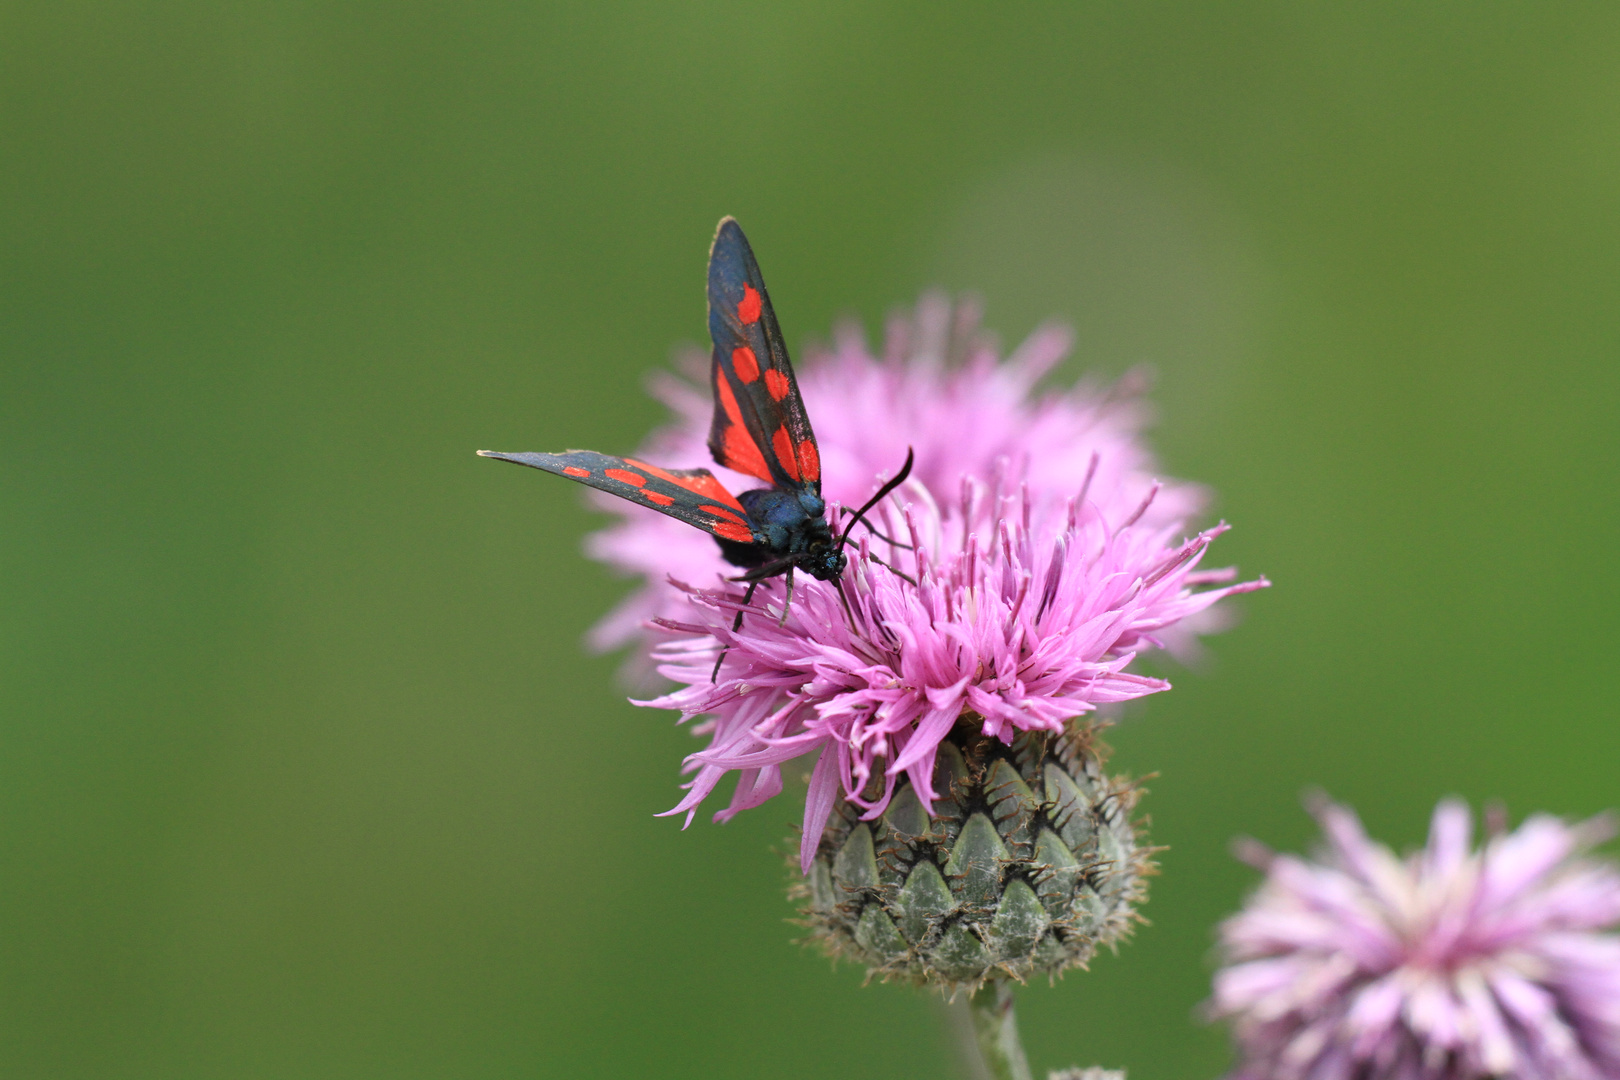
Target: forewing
692,495
760,427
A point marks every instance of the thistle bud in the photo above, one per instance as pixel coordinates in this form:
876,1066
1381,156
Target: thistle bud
1028,863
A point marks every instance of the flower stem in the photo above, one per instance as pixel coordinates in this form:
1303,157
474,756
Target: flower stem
997,1029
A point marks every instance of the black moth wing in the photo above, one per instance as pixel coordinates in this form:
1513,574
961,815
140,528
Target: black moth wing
694,496
760,426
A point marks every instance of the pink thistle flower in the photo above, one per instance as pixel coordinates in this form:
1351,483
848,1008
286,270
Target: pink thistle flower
1451,964
938,388
1035,558
1022,616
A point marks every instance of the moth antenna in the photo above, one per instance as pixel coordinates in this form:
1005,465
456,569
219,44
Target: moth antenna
882,492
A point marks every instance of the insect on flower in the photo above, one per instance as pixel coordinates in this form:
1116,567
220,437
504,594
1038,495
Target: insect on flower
760,428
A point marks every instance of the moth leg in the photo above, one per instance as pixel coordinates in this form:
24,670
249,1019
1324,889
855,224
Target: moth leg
768,570
736,625
789,601
748,598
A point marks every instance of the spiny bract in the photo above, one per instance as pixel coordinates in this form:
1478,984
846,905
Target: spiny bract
1029,863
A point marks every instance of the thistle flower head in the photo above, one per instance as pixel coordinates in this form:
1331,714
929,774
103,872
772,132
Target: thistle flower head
940,389
1019,616
1454,963
1027,563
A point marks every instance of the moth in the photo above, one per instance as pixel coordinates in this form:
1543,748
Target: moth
760,428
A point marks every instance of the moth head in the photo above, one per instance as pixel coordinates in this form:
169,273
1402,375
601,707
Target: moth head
826,564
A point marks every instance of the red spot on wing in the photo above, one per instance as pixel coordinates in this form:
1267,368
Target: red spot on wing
725,512
748,306
743,362
777,383
702,483
782,443
730,530
661,500
810,461
624,476
575,470
710,488
741,453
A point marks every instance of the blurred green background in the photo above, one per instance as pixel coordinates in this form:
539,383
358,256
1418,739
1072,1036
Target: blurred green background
303,770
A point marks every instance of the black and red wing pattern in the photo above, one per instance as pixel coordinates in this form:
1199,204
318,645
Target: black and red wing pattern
760,427
690,495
